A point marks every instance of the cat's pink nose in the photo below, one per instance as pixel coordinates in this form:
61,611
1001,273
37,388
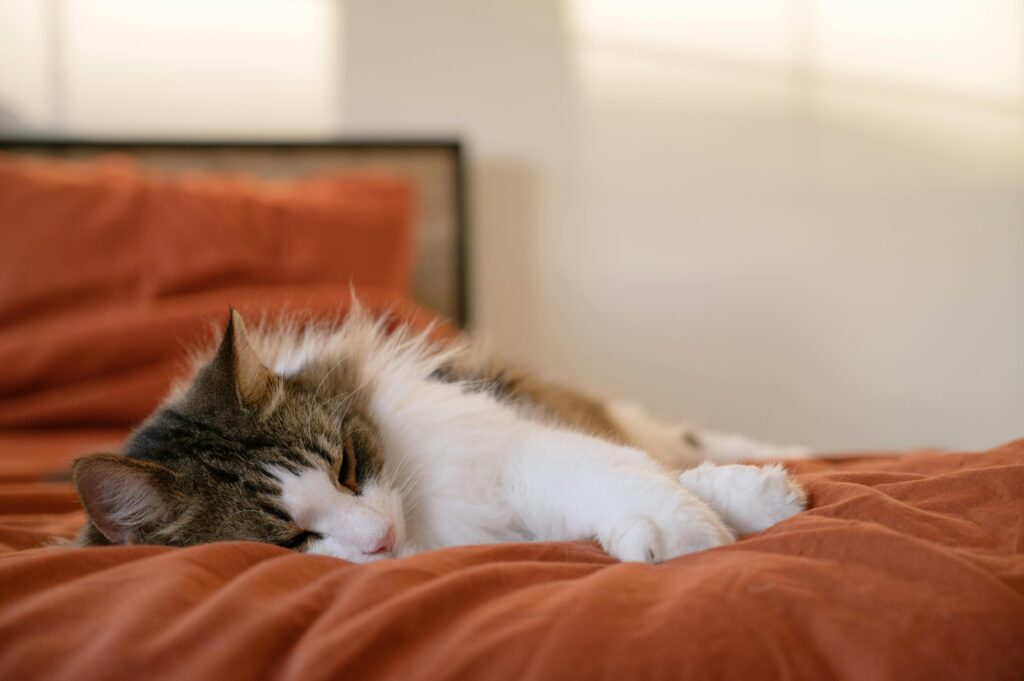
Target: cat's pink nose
387,542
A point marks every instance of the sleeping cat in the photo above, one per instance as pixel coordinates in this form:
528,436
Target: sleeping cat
358,443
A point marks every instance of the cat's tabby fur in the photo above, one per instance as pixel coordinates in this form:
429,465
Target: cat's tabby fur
352,441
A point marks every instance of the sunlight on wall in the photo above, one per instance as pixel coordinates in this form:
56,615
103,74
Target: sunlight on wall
180,67
725,28
967,48
971,48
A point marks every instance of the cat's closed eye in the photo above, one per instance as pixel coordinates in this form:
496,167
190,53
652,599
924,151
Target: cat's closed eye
301,539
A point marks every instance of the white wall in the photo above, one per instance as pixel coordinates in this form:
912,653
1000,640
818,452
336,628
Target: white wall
194,68
804,221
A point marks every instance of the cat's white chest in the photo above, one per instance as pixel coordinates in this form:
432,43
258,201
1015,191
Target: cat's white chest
458,498
446,453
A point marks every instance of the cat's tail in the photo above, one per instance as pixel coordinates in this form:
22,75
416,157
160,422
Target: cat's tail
680,445
725,448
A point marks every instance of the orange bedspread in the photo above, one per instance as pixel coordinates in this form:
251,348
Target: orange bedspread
905,568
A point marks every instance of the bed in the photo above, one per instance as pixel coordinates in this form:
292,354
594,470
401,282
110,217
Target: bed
908,565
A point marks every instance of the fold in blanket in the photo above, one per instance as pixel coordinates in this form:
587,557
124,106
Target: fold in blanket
905,568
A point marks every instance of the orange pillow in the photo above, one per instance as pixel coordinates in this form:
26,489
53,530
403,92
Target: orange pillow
105,233
111,366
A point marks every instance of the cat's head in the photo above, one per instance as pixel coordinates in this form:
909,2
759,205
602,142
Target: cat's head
245,454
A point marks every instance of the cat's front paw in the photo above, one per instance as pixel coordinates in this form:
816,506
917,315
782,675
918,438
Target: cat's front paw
749,498
666,533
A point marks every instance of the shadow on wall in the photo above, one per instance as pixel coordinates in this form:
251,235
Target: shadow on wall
508,191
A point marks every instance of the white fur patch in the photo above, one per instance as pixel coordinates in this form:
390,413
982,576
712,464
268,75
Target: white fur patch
749,498
290,363
352,526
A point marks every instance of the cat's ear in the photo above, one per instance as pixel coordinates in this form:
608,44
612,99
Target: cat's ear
123,496
237,370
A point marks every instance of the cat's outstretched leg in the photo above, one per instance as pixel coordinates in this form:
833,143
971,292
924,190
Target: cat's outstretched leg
748,498
566,485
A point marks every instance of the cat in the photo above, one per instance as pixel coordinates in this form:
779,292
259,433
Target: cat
358,442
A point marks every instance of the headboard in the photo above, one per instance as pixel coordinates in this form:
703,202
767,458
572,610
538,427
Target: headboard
435,167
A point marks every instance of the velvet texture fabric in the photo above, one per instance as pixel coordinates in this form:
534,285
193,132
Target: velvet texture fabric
106,234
